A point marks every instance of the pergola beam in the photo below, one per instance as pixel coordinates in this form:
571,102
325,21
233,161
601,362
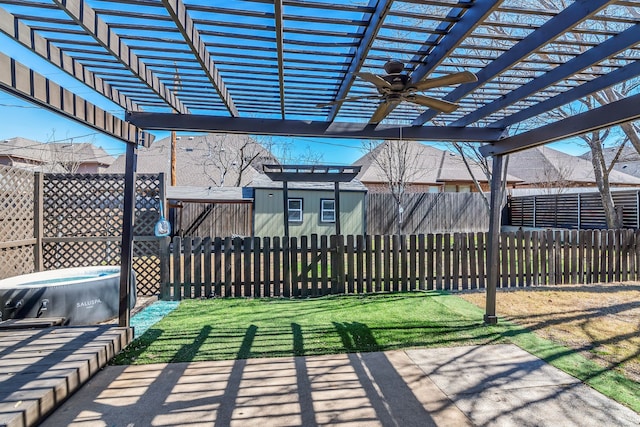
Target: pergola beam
93,25
615,113
477,13
23,82
573,14
607,48
27,37
617,76
217,124
185,25
370,33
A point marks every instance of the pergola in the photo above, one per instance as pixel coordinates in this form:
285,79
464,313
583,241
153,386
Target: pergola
278,66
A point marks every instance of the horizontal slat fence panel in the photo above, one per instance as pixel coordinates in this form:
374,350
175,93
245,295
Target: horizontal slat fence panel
322,265
572,210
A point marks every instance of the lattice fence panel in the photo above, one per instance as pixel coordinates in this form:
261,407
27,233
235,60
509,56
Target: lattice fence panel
146,264
80,254
16,220
83,205
90,207
16,261
16,204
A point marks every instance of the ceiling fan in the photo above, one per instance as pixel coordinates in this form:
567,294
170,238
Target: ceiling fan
396,87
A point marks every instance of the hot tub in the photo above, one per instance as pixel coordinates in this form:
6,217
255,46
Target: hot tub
82,295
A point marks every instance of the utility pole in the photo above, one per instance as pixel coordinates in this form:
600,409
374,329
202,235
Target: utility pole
174,152
174,148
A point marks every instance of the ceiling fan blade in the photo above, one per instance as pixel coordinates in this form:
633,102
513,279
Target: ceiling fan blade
451,79
384,109
435,104
374,79
340,101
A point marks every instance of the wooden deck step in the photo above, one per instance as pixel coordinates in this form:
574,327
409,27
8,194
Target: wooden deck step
40,368
32,323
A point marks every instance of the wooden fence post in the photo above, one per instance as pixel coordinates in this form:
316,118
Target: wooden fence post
38,221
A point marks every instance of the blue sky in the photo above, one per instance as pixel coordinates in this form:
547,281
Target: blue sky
20,118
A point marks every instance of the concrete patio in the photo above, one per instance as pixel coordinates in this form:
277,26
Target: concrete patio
499,385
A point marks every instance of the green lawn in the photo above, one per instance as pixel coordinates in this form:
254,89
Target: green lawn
222,329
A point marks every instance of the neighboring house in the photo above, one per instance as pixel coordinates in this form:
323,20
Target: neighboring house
311,208
628,161
428,169
211,160
548,169
74,157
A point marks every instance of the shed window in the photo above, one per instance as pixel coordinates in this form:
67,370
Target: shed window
327,210
295,210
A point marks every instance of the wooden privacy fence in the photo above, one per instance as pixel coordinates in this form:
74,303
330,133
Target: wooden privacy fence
321,265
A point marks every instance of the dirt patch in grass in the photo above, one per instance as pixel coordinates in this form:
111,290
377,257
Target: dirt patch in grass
600,321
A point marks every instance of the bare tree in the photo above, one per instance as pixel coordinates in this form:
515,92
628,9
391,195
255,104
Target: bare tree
227,159
399,166
283,150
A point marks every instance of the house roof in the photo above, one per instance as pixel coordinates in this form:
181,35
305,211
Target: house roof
628,162
211,160
80,152
542,165
428,165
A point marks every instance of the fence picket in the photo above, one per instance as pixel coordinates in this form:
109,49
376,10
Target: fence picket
314,263
206,265
277,267
266,267
446,247
197,267
386,284
472,250
430,275
455,262
304,266
324,265
257,279
377,260
350,264
464,260
359,263
177,268
228,250
413,262
404,278
438,254
421,262
505,239
369,257
295,275
286,269
482,260
395,267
